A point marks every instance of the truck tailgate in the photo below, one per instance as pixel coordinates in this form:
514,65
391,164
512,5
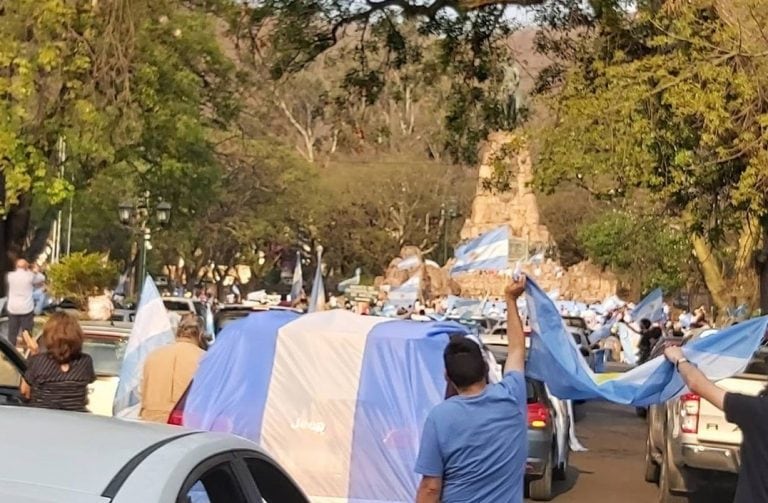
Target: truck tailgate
712,424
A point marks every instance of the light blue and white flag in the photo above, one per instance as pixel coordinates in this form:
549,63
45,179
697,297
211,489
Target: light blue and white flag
555,359
151,330
488,252
650,308
297,285
338,399
406,294
411,262
317,298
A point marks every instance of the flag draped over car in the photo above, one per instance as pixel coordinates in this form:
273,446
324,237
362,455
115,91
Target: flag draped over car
555,359
151,330
338,399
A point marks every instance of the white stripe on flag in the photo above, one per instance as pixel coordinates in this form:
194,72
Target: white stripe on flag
485,252
310,410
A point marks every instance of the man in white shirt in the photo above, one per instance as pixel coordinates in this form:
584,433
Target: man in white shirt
21,305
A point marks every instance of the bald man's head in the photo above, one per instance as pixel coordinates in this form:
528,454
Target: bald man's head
22,264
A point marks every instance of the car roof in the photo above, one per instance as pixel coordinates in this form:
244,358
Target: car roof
115,328
72,451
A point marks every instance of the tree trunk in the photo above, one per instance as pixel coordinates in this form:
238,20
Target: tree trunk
762,271
710,270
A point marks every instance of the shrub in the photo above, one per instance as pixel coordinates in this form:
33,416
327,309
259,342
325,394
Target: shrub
81,275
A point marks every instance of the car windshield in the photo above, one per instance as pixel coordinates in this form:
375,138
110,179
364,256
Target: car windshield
106,352
176,305
224,318
530,391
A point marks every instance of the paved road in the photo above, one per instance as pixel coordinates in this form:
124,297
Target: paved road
612,470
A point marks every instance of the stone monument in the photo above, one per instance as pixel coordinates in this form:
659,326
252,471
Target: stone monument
514,205
506,160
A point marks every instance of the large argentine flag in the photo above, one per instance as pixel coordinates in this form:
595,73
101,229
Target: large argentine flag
488,252
650,308
151,329
338,399
555,359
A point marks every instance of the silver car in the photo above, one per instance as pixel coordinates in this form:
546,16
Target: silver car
55,456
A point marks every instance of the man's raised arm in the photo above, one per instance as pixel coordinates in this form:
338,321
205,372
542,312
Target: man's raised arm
515,334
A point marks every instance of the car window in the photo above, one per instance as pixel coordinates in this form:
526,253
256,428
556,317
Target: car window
9,374
106,352
217,485
273,484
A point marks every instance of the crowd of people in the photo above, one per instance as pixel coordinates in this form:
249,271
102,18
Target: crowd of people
462,457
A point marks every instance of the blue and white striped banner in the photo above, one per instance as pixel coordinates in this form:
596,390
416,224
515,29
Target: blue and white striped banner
555,359
338,399
488,252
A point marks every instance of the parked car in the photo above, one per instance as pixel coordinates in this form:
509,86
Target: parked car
123,315
547,458
109,460
690,444
105,342
183,305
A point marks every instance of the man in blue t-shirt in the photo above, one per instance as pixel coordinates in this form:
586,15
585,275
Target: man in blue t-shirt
474,445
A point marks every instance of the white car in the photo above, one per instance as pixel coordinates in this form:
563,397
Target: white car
105,342
55,456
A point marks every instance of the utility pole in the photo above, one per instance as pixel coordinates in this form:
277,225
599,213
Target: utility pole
61,150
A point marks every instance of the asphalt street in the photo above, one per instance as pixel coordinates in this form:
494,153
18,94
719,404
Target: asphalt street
612,470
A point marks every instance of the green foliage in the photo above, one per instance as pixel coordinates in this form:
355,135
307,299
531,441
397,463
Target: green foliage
80,275
371,54
645,251
669,102
364,213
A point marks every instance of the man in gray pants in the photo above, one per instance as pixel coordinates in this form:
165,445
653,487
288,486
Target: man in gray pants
21,304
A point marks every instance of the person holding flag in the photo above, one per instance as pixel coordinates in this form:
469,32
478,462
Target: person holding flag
749,413
462,456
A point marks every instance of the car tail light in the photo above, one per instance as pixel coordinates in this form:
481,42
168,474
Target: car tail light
177,417
689,413
538,415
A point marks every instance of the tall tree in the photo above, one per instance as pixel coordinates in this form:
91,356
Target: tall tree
127,85
670,104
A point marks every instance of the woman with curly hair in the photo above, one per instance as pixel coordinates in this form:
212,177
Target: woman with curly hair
59,377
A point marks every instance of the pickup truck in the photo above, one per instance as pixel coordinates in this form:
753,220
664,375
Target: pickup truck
690,444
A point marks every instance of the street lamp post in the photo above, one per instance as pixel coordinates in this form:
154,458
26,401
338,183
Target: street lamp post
447,214
138,215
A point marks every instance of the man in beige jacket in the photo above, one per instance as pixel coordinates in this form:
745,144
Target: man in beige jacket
169,370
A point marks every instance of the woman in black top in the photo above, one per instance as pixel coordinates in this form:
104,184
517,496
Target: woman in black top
59,377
